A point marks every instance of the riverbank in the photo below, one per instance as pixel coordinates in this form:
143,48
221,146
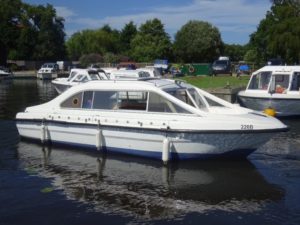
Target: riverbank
30,74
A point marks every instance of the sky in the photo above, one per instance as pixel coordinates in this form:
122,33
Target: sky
235,19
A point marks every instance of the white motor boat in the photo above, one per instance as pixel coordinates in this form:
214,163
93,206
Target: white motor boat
78,76
154,72
276,87
5,73
156,118
128,74
48,71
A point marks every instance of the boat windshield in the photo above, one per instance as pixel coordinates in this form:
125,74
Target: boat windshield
73,73
189,96
94,77
260,81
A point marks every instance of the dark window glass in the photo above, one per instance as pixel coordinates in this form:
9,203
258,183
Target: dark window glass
132,100
105,100
87,99
157,103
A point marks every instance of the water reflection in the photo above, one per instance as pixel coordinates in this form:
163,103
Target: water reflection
16,95
284,145
143,188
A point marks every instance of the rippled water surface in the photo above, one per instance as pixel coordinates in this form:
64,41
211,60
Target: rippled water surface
52,185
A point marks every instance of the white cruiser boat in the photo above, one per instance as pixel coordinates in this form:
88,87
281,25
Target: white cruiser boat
5,73
128,74
276,87
78,76
156,118
48,71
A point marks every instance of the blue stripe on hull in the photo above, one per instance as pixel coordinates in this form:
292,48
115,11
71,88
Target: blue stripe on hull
234,154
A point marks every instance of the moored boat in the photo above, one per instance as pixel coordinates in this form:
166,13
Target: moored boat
5,73
155,118
48,71
276,87
78,76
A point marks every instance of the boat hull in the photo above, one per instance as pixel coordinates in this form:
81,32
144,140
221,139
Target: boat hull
146,142
46,76
282,106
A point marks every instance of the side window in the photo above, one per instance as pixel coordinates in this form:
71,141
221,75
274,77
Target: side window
296,82
87,101
132,100
158,103
73,102
105,100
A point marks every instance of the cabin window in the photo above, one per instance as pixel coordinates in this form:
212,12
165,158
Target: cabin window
73,102
296,82
158,103
105,100
132,100
260,81
280,83
87,101
143,74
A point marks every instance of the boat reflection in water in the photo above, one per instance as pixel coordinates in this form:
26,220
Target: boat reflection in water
144,189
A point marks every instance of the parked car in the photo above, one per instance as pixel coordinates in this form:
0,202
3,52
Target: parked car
222,66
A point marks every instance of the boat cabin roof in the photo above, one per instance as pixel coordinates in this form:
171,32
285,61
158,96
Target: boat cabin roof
278,69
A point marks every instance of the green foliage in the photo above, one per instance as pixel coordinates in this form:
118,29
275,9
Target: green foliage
235,52
92,58
151,42
127,34
217,82
111,58
92,41
251,56
31,32
278,34
197,41
10,16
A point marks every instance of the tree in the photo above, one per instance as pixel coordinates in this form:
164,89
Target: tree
88,59
235,52
50,33
127,34
35,32
10,14
197,41
150,42
278,34
93,41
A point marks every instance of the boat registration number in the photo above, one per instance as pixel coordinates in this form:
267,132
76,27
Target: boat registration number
246,127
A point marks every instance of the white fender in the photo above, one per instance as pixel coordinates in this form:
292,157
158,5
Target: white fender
165,150
98,139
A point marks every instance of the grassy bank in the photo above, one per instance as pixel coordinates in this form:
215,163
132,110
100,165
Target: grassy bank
217,82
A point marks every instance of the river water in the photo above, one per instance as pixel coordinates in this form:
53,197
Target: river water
54,185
